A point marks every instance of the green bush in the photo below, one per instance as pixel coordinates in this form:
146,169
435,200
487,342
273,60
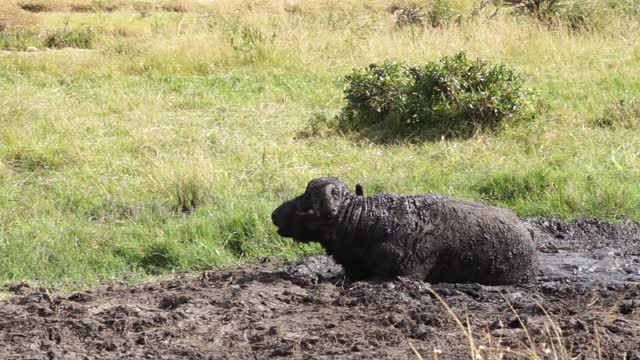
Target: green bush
377,93
82,38
455,96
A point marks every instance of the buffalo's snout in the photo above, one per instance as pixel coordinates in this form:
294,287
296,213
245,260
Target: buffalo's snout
282,217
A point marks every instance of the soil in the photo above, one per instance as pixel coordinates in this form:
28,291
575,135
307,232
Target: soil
585,305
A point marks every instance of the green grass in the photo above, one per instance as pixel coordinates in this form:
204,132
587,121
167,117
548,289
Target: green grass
166,147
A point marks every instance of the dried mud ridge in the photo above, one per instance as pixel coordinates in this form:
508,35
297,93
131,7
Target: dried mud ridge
588,293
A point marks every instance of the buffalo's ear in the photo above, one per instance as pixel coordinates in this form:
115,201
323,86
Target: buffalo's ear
359,190
327,201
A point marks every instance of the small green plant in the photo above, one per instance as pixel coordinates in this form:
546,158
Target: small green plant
624,114
455,95
82,38
250,44
441,13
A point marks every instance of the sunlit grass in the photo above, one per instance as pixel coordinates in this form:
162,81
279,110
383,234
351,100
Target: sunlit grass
96,145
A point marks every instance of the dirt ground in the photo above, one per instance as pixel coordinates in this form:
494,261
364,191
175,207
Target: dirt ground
585,305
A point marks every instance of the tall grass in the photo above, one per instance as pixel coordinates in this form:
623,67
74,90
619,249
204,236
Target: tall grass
166,146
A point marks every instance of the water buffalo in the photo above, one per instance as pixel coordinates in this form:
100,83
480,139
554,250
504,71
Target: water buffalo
427,237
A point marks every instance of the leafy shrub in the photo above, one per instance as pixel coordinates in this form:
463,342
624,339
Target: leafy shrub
455,95
623,114
82,38
378,92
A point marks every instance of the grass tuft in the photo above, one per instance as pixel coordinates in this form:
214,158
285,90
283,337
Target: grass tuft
82,37
20,39
30,159
623,114
160,257
191,193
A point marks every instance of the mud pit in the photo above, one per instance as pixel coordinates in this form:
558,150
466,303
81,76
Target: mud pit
589,290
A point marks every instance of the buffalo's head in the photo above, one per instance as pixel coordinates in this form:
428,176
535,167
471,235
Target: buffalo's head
312,215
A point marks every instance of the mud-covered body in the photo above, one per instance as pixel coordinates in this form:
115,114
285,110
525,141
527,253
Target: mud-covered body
427,237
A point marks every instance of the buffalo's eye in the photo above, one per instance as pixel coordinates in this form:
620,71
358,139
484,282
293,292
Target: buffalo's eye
305,204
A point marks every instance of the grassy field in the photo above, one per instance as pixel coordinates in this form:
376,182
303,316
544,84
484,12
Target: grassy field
164,143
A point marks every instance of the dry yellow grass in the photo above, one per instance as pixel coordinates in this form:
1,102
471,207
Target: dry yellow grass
12,16
37,6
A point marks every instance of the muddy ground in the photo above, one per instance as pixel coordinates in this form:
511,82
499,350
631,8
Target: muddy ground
586,305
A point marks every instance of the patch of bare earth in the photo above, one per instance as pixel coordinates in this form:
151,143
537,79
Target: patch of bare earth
585,305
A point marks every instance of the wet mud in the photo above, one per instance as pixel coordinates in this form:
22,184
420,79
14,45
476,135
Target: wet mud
585,305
